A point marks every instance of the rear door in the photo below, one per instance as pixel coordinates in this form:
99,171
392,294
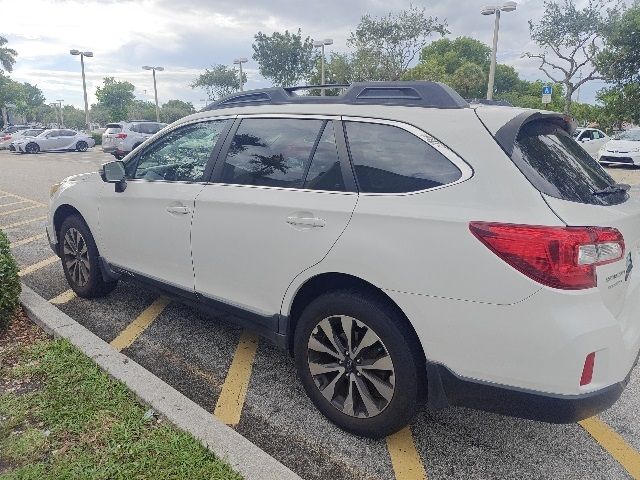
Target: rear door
109,136
282,195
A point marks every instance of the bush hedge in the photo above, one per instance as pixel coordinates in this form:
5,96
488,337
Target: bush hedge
9,283
97,137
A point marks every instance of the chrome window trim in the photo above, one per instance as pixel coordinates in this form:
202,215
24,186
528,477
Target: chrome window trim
465,169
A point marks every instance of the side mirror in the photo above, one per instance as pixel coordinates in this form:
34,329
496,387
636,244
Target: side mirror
113,172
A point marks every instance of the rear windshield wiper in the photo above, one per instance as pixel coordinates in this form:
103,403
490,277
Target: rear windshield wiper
610,189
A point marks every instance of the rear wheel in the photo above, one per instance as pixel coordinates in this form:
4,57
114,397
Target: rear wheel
80,259
118,156
32,148
358,363
82,146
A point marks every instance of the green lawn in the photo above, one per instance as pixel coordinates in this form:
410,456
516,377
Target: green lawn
61,417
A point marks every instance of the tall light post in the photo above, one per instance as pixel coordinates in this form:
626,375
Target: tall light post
322,43
155,87
239,62
84,83
495,10
61,115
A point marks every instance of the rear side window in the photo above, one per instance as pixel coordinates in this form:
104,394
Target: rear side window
273,152
147,128
324,171
389,159
558,166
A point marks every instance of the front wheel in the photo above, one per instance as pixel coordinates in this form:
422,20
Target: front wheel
32,148
359,363
82,146
80,259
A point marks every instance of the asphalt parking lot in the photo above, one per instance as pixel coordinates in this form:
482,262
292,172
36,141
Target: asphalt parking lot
252,385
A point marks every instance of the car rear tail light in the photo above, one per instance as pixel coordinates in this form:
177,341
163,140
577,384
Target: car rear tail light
559,257
121,135
6,137
587,370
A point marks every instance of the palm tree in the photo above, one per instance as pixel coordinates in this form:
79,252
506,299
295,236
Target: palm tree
7,55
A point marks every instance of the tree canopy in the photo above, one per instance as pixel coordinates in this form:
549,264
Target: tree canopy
218,81
284,58
7,56
116,97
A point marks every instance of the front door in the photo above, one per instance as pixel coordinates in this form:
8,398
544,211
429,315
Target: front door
146,228
281,200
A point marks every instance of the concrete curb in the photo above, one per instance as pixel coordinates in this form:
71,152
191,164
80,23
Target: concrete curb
245,457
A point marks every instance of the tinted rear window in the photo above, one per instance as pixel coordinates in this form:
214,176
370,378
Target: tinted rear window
113,128
148,128
558,166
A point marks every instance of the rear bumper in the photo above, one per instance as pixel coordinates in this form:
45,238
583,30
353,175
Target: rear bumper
108,149
447,389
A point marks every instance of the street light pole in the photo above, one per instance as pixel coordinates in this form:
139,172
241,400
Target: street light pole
84,82
61,113
155,87
322,43
495,10
239,62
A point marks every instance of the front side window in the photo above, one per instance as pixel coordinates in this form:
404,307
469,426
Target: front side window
389,159
180,156
272,152
557,166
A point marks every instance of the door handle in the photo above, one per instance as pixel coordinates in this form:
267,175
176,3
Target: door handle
178,209
313,222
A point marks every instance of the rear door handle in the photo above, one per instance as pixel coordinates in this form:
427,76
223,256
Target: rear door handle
306,221
178,209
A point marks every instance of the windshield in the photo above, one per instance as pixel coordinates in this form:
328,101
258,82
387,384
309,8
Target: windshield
558,166
632,135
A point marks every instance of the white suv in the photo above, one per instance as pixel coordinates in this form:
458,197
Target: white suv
121,138
401,244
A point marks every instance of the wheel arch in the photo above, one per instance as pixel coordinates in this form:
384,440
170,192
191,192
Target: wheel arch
63,212
322,283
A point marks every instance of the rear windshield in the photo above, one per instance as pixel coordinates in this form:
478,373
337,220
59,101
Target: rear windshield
148,128
558,166
113,128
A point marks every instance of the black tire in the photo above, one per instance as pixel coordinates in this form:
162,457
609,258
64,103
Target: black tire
82,146
401,347
32,148
118,156
90,283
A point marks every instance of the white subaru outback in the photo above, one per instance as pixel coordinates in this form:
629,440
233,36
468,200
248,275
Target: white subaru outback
402,245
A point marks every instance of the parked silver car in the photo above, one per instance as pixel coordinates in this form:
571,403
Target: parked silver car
20,135
55,140
123,137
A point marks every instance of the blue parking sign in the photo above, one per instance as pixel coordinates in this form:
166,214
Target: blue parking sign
548,90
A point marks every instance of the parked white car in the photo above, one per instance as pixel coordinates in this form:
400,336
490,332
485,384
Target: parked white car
11,133
21,135
624,149
55,140
592,139
121,138
385,239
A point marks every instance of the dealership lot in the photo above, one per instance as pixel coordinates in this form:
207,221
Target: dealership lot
252,385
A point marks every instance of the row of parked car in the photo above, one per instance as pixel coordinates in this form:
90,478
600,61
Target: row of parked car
24,139
622,149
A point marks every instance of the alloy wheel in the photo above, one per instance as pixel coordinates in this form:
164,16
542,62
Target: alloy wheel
351,366
76,257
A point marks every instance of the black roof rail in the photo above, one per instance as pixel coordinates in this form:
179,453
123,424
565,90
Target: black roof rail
411,93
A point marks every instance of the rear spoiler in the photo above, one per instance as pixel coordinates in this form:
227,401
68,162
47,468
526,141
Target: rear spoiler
507,134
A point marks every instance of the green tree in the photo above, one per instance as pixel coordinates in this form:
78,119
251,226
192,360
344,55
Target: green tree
620,64
31,99
11,93
452,54
506,80
337,69
73,117
569,39
469,80
141,110
115,97
386,46
284,58
218,81
174,110
99,113
7,56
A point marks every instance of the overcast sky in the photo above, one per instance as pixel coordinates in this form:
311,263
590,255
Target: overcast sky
186,36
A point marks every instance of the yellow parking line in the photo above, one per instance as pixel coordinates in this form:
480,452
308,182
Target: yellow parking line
12,203
404,456
234,389
140,324
23,222
64,297
613,443
22,198
24,241
9,212
38,266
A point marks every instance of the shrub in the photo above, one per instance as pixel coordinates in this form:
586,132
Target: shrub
9,283
97,137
